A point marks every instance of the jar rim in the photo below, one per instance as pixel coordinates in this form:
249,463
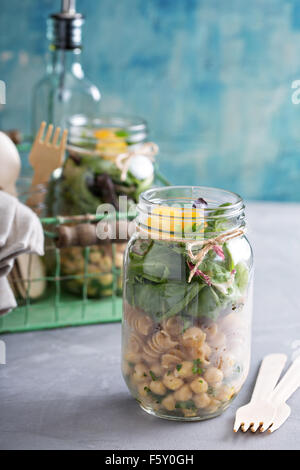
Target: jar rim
175,206
197,191
85,132
130,122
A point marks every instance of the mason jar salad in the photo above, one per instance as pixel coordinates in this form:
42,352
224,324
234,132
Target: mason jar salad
187,302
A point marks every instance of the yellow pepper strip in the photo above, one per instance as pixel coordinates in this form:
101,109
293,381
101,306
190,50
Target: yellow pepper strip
109,144
173,222
106,134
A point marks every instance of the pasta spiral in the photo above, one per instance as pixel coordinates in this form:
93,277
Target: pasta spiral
173,326
138,321
159,343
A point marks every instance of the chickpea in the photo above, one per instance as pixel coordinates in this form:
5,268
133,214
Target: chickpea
185,371
106,279
199,385
202,400
213,376
169,402
95,257
79,264
119,260
193,352
203,353
157,387
183,394
69,266
172,382
143,389
92,268
156,369
214,405
206,351
189,413
224,393
132,356
105,264
140,372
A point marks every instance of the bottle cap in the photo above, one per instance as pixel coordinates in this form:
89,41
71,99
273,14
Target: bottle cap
64,28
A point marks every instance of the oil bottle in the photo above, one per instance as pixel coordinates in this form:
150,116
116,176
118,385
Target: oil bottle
64,91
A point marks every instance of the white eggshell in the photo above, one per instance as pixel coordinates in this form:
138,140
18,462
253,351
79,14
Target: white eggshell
10,164
141,167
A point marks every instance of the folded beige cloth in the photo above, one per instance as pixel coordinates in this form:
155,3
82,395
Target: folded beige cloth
20,232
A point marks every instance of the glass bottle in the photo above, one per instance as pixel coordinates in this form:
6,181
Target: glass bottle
64,90
187,312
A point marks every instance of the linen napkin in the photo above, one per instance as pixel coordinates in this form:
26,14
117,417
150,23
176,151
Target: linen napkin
20,232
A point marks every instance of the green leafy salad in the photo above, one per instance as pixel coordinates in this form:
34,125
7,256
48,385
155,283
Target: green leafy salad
88,181
157,279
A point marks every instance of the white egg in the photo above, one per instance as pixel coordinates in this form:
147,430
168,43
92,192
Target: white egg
10,164
141,167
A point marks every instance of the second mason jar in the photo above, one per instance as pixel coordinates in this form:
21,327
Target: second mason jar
187,302
96,173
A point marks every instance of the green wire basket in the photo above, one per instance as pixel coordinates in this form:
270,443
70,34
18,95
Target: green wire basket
59,308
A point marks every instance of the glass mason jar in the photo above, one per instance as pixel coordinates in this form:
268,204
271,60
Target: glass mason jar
187,302
91,177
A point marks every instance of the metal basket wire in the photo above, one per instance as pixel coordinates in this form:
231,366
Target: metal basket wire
57,307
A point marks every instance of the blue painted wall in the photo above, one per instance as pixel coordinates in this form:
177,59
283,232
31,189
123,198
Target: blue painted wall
212,77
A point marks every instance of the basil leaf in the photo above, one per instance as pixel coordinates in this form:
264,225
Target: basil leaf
190,291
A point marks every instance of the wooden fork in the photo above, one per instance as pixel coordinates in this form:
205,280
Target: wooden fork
45,157
250,416
286,387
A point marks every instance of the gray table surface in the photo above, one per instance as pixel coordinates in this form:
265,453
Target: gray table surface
63,389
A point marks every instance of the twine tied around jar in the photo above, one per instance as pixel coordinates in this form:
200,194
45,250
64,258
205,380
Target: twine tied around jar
123,160
208,245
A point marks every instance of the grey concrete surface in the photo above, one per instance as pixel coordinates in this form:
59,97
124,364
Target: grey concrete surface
63,389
